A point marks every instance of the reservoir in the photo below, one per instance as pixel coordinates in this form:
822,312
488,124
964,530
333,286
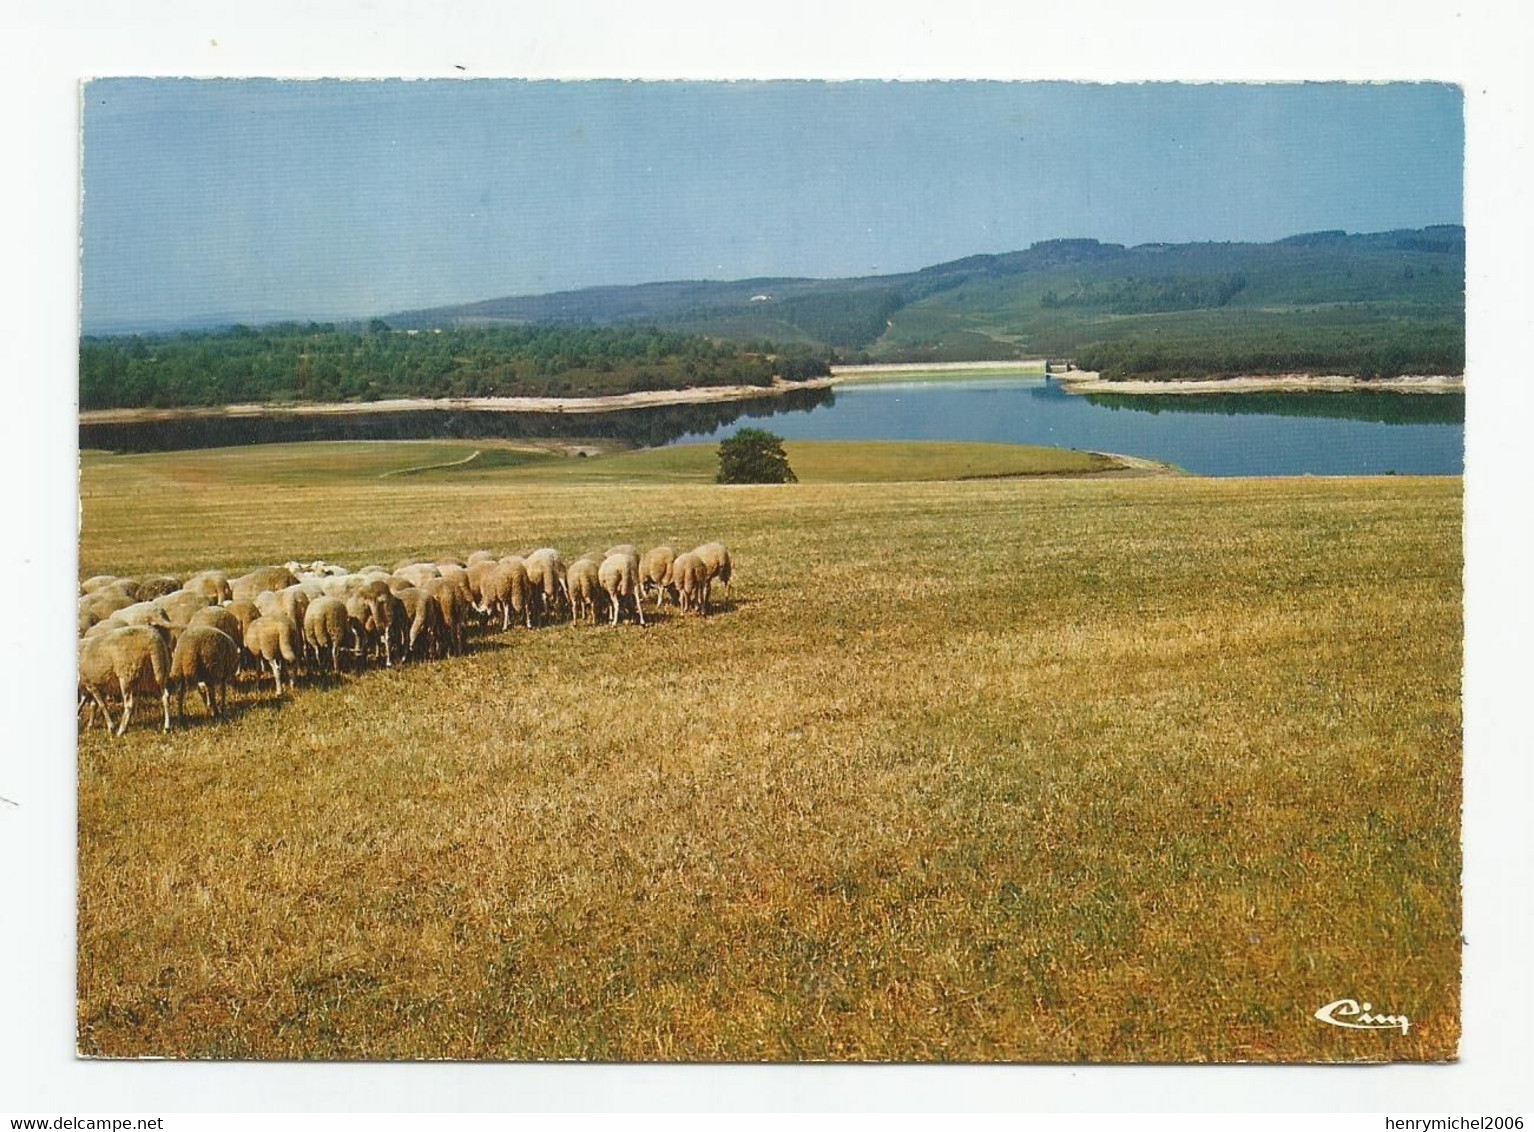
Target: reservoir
1229,434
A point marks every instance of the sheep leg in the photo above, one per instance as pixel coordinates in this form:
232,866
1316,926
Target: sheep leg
165,705
277,675
127,712
97,701
207,698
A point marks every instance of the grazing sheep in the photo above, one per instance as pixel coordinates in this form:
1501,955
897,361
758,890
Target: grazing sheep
101,627
417,573
503,589
96,677
479,556
453,609
449,560
622,548
268,602
138,660
619,575
458,578
218,617
389,623
547,574
655,570
326,627
211,584
424,617
247,586
180,606
98,582
294,601
209,658
158,586
689,574
585,584
104,602
143,613
273,639
716,557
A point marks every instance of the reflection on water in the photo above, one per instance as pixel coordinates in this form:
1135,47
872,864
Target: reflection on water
1381,407
648,427
1229,434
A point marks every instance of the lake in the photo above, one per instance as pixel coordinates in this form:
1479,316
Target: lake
1231,434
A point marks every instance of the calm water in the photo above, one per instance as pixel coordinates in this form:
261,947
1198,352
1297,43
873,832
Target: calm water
1237,434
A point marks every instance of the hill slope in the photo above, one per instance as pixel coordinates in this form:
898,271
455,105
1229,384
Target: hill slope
1386,302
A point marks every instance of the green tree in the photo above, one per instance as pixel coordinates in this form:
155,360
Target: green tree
754,455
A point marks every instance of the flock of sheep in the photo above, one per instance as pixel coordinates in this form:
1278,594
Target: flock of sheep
155,635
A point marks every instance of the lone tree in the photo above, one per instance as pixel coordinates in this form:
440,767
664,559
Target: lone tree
754,455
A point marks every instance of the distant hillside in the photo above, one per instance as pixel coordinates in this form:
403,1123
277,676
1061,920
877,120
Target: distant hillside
1373,303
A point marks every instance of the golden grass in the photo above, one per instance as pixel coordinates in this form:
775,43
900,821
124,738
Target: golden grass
1013,769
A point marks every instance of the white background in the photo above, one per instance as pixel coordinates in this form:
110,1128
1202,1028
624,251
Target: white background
45,49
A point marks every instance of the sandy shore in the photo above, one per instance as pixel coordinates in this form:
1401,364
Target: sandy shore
648,399
1079,381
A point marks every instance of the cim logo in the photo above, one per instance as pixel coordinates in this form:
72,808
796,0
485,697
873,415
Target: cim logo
1347,1013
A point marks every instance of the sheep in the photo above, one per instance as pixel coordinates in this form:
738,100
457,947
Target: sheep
689,574
96,675
546,573
220,618
584,581
424,617
619,575
451,605
294,601
655,570
479,556
622,548
449,560
104,602
132,660
97,582
212,584
417,573
268,603
389,624
180,606
716,557
106,626
504,588
143,613
247,586
209,658
273,639
326,626
158,586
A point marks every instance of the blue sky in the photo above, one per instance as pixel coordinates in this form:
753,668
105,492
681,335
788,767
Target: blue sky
259,199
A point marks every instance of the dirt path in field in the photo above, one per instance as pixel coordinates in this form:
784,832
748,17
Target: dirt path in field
474,455
1085,381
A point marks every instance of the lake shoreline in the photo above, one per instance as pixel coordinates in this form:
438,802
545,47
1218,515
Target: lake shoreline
1085,381
1076,381
650,398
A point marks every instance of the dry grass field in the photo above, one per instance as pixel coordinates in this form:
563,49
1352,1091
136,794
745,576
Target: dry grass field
1040,769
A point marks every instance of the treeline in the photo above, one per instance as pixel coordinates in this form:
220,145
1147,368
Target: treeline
1136,295
324,362
1407,350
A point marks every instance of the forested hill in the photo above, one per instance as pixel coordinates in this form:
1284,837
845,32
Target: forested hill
1370,304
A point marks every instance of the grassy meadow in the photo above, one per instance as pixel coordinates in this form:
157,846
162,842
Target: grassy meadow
1031,768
